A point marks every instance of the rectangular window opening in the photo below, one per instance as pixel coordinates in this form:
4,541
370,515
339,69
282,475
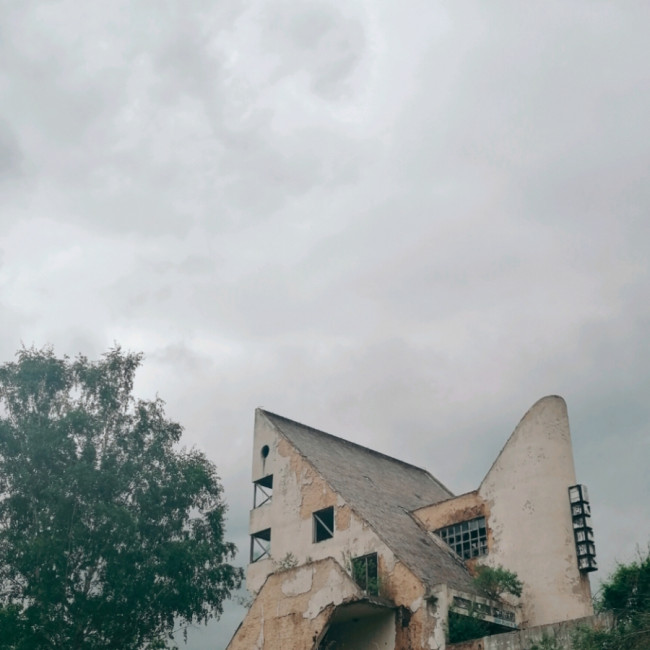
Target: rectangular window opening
263,491
323,524
260,545
467,538
364,572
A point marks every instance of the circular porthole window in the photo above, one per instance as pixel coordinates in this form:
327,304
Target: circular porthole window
265,451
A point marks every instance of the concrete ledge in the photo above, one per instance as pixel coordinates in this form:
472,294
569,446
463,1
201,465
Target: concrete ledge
524,639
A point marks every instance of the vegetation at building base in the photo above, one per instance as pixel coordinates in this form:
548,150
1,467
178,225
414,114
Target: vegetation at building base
547,642
465,627
494,583
626,594
110,535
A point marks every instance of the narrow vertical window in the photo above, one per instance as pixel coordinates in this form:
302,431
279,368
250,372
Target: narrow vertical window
323,524
364,572
263,491
260,545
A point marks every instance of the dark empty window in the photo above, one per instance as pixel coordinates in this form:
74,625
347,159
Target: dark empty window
468,538
263,491
261,545
323,524
364,572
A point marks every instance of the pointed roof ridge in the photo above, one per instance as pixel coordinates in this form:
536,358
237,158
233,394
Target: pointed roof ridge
382,491
356,445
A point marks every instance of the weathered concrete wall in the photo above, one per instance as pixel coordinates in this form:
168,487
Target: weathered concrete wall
292,609
421,617
460,508
298,492
530,526
526,639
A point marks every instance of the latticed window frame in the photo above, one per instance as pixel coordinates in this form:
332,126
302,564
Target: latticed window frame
467,538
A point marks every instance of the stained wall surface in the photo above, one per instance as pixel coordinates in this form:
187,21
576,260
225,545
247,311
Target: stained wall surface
530,524
298,492
292,609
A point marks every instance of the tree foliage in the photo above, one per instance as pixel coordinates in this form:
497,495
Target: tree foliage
626,594
109,533
494,582
461,627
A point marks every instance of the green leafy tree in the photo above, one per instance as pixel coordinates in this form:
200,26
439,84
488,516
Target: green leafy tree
464,627
110,535
626,594
494,582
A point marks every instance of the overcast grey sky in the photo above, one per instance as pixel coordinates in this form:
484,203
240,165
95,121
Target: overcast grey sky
402,223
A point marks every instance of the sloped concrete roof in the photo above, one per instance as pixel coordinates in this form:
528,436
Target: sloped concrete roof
382,491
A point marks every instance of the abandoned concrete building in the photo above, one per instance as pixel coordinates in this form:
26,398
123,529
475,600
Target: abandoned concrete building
351,548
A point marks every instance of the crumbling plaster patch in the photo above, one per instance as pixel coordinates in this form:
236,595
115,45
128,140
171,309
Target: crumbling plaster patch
298,582
343,516
337,588
311,490
290,618
461,508
415,605
423,629
402,586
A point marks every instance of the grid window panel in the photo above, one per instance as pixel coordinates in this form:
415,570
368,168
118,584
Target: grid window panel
467,538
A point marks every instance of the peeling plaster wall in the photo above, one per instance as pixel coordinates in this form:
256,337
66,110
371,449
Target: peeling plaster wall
460,508
530,526
421,620
292,609
299,491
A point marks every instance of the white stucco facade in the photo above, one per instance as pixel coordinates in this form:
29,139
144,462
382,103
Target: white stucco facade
526,495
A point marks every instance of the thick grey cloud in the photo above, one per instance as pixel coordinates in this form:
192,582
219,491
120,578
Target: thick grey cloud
401,225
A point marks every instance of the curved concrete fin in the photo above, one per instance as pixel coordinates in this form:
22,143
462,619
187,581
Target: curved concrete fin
530,528
546,420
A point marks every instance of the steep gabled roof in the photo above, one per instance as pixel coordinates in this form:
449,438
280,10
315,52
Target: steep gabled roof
382,491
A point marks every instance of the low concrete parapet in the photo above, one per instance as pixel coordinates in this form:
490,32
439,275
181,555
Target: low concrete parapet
526,639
